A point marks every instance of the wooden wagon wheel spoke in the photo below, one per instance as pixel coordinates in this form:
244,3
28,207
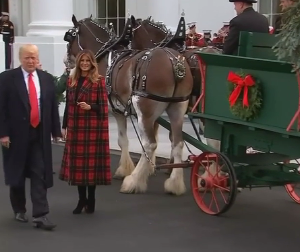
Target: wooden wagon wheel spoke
223,188
219,170
206,169
226,202
214,199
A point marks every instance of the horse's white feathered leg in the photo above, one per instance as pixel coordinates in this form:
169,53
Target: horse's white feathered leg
175,183
137,181
126,165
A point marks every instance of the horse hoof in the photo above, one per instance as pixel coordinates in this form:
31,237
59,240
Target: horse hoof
175,186
131,185
118,177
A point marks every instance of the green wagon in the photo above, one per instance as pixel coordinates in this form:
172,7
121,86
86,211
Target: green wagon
248,102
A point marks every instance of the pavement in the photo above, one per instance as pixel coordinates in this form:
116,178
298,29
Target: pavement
260,220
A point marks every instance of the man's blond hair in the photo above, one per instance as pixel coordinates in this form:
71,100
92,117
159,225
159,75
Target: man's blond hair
28,48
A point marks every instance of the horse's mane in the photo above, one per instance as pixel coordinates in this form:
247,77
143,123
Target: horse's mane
96,22
159,25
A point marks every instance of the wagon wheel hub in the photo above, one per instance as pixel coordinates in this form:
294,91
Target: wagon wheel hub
207,183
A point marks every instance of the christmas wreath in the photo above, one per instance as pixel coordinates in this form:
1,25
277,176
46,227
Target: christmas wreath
245,97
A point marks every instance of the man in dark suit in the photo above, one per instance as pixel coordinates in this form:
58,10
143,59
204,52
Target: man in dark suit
28,116
247,19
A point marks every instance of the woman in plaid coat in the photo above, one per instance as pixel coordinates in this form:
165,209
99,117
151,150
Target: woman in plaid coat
86,160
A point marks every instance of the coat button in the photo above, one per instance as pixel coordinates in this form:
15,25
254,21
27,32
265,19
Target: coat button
24,118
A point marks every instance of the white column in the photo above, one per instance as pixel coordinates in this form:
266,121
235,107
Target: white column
50,17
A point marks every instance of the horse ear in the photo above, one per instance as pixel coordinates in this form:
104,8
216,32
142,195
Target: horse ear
133,21
74,20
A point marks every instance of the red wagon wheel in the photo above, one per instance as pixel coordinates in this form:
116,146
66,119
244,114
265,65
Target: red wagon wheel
293,190
213,183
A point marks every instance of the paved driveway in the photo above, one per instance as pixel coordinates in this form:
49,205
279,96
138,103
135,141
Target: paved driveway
260,221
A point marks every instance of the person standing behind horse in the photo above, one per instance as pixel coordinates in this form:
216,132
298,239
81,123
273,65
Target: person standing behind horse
247,19
28,116
86,159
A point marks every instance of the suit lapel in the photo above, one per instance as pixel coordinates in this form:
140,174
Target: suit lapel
22,88
84,88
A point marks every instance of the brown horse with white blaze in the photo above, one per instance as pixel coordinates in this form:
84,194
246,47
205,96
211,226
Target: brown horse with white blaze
146,82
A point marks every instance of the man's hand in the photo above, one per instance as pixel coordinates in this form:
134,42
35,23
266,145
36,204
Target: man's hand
5,142
84,106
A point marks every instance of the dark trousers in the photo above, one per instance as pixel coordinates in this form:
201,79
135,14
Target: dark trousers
7,55
35,171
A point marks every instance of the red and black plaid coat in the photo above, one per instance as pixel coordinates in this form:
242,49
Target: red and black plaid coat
86,159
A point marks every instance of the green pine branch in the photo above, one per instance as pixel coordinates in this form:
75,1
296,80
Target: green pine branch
288,46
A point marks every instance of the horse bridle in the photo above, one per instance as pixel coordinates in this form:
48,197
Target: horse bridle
156,44
74,32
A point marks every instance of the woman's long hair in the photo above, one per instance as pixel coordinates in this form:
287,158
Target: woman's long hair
93,74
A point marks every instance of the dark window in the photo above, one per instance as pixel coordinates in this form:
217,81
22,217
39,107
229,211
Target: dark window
112,12
270,8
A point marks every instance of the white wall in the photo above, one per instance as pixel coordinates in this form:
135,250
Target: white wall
209,14
2,55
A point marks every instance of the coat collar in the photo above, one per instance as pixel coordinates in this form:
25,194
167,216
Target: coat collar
248,9
84,88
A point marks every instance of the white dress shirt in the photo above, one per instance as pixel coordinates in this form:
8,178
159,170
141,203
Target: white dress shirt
37,86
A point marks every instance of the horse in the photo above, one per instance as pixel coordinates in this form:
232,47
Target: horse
156,35
142,83
159,36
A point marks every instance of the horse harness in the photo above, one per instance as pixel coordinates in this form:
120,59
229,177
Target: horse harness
139,72
139,77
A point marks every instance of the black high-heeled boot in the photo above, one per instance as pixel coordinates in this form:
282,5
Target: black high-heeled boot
82,202
91,200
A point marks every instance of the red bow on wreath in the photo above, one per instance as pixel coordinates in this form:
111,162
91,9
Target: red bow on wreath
240,84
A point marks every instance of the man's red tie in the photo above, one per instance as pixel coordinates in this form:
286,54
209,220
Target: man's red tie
34,113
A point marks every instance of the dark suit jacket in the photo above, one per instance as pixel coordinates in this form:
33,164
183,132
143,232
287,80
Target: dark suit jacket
15,123
249,20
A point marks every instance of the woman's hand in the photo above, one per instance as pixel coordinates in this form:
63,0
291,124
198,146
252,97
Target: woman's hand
84,106
64,134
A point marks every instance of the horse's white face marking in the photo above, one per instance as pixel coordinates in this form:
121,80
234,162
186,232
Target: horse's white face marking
70,64
66,59
72,71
